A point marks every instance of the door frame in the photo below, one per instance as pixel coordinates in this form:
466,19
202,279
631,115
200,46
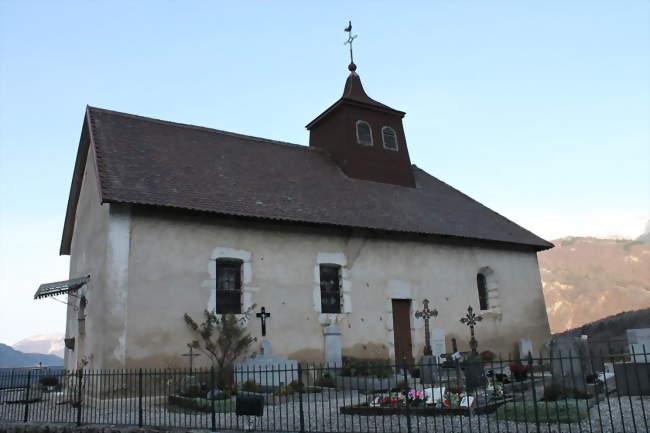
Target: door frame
410,358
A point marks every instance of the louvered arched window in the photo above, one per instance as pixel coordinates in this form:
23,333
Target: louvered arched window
364,133
389,137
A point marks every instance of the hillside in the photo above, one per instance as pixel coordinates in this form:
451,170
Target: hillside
10,357
586,279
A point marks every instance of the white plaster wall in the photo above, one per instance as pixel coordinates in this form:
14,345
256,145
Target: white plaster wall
169,274
87,256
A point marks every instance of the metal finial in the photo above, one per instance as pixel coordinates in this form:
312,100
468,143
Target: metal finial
352,67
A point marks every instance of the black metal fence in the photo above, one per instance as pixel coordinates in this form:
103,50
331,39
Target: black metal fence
544,394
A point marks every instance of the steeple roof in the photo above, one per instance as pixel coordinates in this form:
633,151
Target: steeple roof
353,93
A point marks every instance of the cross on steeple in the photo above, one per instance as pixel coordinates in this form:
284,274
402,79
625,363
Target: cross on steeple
426,314
351,39
263,315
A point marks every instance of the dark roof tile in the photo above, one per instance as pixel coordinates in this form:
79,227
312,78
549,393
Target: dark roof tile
152,162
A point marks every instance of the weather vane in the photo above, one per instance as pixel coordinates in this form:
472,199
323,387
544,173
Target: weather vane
351,39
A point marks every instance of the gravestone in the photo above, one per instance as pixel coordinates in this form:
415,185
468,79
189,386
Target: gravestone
525,347
570,363
638,341
632,378
266,370
333,355
428,369
474,373
438,345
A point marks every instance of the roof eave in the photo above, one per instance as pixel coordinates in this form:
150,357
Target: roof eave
75,186
345,100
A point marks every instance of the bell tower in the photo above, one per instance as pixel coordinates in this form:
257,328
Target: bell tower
365,137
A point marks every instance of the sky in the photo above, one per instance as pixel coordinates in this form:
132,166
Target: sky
539,110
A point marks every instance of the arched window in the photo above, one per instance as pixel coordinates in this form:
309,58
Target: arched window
481,283
389,137
364,133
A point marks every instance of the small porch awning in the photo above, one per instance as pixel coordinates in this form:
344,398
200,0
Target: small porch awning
60,287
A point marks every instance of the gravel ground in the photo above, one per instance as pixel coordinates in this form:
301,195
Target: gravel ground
321,415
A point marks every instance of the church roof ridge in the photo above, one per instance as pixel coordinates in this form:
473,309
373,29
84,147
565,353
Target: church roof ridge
92,109
149,162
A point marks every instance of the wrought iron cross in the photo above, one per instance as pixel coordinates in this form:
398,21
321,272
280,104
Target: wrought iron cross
263,315
190,355
351,39
471,319
426,314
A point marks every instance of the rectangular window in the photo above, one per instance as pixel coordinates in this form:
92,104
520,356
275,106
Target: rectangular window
330,288
228,286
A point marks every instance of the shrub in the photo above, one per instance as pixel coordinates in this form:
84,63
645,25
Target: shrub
222,338
296,386
250,386
366,367
325,380
49,381
487,356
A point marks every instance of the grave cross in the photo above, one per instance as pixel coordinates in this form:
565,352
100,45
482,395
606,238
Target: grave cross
190,355
263,315
471,319
426,314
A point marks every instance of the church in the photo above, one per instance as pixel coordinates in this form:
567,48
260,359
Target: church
344,237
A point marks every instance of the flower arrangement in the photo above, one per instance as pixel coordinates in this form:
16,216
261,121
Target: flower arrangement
405,398
438,398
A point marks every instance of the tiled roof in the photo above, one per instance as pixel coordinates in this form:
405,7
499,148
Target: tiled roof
152,162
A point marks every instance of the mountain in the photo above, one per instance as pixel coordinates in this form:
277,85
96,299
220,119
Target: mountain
9,357
586,279
51,344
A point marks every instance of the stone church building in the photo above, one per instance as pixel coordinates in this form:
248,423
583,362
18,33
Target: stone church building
344,236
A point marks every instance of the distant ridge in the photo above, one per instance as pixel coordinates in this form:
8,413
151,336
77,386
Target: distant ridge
9,357
613,327
586,279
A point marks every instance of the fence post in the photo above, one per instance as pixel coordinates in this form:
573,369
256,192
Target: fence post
532,385
140,398
300,390
406,409
29,384
213,396
79,379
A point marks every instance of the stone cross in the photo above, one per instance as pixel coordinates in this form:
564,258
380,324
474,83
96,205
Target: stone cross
190,355
263,315
471,319
426,314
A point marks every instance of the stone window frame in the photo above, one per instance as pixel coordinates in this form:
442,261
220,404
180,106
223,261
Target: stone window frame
247,290
383,138
363,122
492,285
335,258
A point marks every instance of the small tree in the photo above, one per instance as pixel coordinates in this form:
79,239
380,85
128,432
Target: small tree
223,339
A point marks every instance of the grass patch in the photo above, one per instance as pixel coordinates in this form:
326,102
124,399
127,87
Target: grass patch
563,411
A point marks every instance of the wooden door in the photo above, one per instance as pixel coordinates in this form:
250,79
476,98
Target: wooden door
402,331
